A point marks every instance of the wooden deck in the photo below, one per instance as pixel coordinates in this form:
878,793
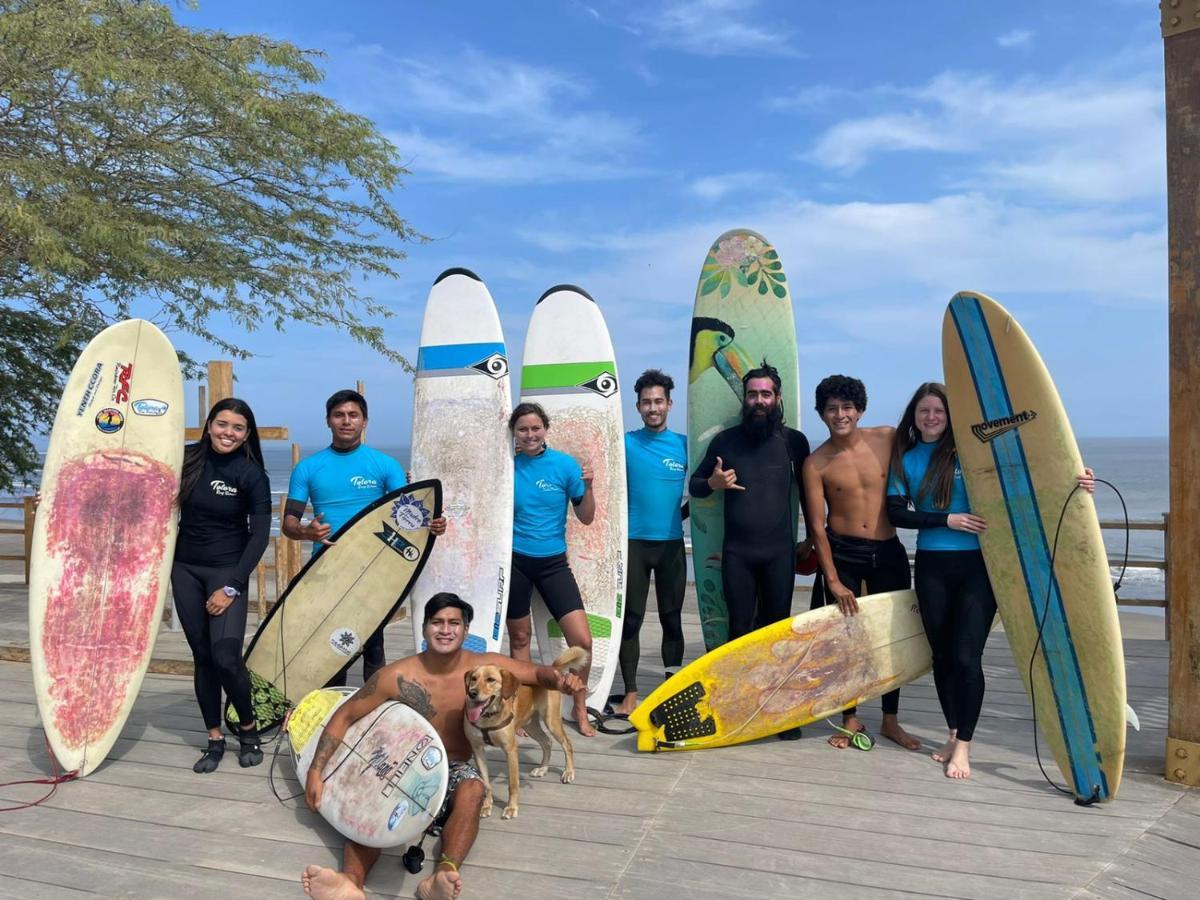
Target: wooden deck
771,819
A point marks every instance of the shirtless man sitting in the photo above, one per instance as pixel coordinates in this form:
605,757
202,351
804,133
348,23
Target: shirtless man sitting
431,683
855,543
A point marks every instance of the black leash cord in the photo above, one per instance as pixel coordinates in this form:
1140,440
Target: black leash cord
1095,797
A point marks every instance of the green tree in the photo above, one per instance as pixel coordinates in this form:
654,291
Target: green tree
191,172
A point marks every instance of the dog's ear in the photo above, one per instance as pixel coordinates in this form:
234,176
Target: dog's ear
510,684
467,676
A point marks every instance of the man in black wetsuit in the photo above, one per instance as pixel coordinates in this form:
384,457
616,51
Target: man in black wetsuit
756,463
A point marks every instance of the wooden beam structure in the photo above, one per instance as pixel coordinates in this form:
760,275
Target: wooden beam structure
1181,52
220,387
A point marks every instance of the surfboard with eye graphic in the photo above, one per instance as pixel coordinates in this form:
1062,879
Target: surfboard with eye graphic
742,315
461,405
570,369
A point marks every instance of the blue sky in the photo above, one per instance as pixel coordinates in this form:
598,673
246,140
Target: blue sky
893,153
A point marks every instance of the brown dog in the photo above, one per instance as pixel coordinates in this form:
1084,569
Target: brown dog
497,705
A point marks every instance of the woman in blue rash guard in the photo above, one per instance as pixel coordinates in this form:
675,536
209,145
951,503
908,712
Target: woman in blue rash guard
545,482
224,527
926,491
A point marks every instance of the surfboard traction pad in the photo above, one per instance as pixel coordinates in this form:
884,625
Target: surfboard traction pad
679,717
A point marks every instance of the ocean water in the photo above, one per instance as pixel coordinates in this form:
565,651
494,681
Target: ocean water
1137,467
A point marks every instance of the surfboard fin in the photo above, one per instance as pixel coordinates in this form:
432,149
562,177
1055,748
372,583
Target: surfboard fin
1131,718
680,719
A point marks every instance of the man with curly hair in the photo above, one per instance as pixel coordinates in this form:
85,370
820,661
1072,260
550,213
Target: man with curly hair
845,484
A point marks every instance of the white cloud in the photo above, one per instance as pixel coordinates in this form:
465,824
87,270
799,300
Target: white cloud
716,28
714,187
1086,138
473,117
1017,37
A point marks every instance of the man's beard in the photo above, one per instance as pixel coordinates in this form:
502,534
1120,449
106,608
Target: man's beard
759,428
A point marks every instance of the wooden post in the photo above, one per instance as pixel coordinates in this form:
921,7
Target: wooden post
1167,573
362,389
30,506
202,407
220,381
1181,52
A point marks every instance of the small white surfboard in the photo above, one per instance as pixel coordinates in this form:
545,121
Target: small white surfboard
571,370
385,783
461,405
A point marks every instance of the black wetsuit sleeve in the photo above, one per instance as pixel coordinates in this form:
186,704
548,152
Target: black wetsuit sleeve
698,486
798,451
259,504
902,517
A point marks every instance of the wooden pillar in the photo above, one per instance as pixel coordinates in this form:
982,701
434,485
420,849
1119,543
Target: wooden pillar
220,381
1181,51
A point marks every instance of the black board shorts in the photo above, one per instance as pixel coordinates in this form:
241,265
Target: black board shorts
552,577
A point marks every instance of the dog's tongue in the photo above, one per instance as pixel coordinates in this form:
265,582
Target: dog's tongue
474,711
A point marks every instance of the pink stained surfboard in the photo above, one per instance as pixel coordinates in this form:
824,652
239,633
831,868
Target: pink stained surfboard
104,538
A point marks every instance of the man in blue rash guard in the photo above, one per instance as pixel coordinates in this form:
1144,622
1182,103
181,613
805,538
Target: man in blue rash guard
340,481
656,476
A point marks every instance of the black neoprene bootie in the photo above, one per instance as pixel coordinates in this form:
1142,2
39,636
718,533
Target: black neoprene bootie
250,752
211,758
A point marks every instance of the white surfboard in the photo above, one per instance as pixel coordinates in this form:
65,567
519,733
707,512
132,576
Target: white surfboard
104,538
461,405
570,369
385,783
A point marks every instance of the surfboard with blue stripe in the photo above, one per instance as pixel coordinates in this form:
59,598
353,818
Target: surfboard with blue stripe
1020,461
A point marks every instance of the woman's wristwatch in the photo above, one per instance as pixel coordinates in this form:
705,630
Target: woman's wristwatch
231,592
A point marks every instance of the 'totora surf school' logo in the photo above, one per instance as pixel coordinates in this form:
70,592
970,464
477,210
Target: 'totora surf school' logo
993,428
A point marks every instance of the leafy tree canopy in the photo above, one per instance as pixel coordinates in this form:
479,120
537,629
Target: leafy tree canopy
197,171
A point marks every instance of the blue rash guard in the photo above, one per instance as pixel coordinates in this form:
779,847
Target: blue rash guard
542,485
656,471
933,533
340,484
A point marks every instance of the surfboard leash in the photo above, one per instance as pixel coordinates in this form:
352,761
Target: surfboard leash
54,781
1095,796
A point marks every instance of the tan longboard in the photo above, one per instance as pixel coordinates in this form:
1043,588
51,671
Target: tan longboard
1052,585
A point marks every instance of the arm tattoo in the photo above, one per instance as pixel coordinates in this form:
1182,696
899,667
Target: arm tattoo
411,693
325,747
369,688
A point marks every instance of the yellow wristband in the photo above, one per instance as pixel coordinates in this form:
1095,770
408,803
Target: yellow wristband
447,861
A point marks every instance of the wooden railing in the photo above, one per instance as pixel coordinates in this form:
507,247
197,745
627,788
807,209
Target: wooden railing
27,504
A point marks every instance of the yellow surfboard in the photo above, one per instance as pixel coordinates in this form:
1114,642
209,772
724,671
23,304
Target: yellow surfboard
1021,463
788,674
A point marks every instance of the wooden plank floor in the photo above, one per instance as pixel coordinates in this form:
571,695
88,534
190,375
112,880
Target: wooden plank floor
771,819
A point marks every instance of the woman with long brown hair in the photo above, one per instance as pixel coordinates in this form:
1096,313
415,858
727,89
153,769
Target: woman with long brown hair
224,527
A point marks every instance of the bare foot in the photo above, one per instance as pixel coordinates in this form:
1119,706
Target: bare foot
444,884
581,719
893,732
959,764
328,884
841,741
628,705
942,754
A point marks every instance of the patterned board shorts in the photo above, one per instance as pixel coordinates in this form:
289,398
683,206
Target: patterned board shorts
460,771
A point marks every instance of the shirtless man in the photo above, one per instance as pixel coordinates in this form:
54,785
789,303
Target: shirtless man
431,683
856,545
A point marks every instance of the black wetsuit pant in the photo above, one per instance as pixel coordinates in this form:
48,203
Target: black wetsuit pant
957,607
667,561
879,565
758,580
216,641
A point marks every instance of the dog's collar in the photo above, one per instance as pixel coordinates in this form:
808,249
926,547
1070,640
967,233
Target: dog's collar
486,730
